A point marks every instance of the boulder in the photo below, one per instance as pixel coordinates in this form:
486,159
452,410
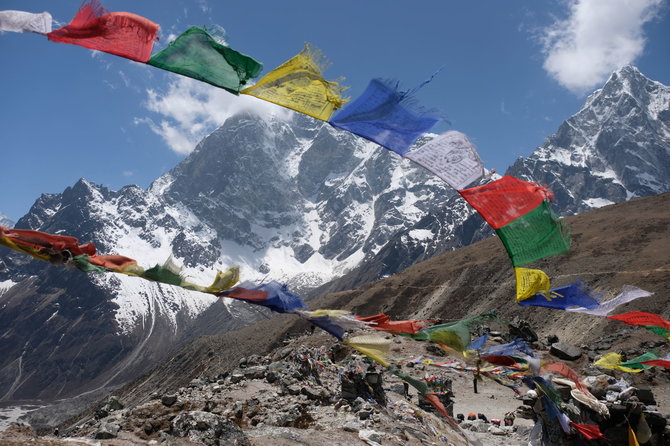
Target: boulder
169,399
106,431
209,429
565,351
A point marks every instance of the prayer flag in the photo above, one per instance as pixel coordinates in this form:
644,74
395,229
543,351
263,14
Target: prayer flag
298,84
613,361
419,385
387,116
506,199
383,322
371,346
272,295
632,439
120,33
534,235
567,372
577,294
196,54
628,294
662,362
452,157
478,343
641,318
530,282
589,431
515,348
25,22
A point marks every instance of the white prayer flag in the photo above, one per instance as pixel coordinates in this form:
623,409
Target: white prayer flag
452,157
25,22
628,293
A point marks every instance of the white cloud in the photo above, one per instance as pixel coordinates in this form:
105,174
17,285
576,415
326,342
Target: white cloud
128,173
598,37
189,110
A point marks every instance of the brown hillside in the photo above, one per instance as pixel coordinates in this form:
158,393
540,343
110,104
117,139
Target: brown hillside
627,243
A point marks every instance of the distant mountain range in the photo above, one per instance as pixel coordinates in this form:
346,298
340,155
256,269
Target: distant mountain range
292,200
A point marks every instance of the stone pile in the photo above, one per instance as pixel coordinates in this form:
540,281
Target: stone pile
293,394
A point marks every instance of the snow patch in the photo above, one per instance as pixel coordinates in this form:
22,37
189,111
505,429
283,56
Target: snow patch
597,202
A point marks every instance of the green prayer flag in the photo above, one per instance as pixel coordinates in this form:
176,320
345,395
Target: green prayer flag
196,54
420,386
635,362
161,274
535,235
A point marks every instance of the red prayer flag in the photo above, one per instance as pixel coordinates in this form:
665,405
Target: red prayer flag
506,361
47,243
564,370
113,262
506,199
589,431
383,322
435,401
658,362
246,294
641,318
120,33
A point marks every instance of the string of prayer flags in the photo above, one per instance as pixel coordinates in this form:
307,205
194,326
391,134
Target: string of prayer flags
639,362
450,156
577,294
530,282
383,322
387,116
519,213
588,431
198,55
272,295
120,33
374,347
25,22
628,294
298,84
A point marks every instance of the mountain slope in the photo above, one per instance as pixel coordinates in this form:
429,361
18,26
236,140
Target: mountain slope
615,148
626,243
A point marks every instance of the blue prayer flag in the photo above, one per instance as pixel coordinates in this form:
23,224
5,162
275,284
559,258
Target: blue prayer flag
577,294
387,116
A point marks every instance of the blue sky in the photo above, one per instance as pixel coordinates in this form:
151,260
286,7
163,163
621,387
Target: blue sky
513,71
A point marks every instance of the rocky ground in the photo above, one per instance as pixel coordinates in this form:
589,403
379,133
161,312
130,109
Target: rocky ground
292,396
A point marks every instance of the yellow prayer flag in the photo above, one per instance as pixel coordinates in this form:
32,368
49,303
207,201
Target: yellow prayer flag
299,85
222,281
632,439
613,361
374,347
530,282
330,313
